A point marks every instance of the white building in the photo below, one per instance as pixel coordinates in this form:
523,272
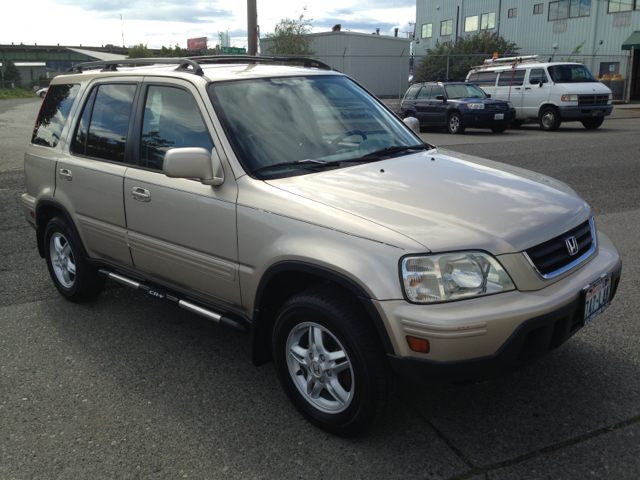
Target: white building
607,29
379,63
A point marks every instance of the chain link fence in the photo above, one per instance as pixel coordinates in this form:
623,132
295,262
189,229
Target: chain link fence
29,85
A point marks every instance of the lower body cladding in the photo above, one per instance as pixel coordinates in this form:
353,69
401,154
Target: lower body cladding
584,112
488,337
173,299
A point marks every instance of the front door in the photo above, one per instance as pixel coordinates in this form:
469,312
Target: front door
535,94
181,232
436,110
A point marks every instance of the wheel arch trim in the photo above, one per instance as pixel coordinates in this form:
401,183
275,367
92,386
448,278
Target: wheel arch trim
40,226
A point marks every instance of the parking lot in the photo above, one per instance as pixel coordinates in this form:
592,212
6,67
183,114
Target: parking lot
126,387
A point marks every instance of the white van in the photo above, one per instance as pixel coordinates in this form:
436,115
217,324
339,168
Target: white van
550,92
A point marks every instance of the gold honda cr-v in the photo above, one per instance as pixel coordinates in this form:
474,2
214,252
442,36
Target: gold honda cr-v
288,203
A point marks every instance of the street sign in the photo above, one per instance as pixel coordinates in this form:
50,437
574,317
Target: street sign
233,50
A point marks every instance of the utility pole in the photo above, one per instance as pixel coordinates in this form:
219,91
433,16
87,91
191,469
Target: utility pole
252,27
122,28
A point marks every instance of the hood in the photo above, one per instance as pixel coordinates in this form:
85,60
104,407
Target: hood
447,203
585,88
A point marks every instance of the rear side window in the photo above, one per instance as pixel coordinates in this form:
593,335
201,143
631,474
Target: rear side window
411,93
424,93
171,120
511,78
486,79
53,114
102,130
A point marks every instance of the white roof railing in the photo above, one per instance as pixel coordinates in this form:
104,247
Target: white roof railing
502,61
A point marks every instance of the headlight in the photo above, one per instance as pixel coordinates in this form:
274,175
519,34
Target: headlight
610,99
453,276
569,98
510,105
475,106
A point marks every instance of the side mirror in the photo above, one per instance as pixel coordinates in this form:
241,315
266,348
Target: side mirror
439,97
534,81
488,95
194,162
413,123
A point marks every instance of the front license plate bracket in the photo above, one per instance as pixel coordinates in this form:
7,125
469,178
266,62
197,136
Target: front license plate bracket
596,298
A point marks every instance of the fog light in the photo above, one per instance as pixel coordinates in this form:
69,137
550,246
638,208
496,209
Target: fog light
418,344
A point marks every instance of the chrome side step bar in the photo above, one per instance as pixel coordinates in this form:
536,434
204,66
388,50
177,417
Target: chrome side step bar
191,307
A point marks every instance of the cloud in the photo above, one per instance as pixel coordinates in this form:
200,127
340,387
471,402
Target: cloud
161,10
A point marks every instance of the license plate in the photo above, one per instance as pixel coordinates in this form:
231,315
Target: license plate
597,298
594,113
499,116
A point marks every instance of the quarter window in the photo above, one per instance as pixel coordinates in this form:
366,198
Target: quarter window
171,119
446,27
488,21
620,5
471,24
513,13
102,130
511,78
411,93
427,30
53,114
538,8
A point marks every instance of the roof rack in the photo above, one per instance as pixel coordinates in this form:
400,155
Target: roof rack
192,64
525,59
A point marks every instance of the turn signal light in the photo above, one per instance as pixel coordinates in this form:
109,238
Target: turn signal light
418,344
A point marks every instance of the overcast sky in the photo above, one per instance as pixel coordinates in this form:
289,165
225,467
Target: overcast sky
167,22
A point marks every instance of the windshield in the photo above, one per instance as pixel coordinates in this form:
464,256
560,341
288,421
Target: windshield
570,74
464,91
308,120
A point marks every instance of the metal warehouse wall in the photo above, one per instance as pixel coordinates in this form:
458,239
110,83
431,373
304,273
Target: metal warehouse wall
380,63
535,34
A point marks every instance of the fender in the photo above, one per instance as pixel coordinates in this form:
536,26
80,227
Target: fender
40,227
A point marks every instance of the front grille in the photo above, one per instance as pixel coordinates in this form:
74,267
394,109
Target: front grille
595,100
498,106
552,255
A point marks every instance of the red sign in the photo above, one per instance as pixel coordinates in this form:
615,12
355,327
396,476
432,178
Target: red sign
197,43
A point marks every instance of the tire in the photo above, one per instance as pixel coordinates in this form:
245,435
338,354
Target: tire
455,125
499,129
550,119
73,276
593,123
517,123
343,395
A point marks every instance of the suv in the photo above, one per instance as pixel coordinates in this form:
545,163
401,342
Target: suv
548,92
456,106
288,203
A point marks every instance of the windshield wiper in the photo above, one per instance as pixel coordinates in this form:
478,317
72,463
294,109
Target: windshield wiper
395,149
306,162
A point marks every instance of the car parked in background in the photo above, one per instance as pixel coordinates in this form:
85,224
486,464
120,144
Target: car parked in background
42,92
456,106
549,92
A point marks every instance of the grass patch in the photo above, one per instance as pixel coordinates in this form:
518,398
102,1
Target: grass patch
14,93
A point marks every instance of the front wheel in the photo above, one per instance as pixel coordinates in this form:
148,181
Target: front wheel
593,123
455,124
73,276
550,119
328,362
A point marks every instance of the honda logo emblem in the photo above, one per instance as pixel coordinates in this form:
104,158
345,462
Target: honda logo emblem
572,245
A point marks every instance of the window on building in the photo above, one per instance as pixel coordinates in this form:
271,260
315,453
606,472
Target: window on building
446,27
488,21
580,8
513,13
561,9
620,5
471,24
427,30
538,8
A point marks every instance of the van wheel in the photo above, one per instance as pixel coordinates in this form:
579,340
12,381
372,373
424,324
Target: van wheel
73,276
329,363
550,119
455,124
593,123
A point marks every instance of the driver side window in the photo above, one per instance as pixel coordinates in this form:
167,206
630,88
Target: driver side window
435,91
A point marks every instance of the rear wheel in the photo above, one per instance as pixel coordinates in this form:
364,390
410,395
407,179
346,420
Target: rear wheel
73,276
329,363
550,119
592,123
455,124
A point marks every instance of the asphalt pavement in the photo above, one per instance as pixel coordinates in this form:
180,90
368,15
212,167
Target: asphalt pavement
126,387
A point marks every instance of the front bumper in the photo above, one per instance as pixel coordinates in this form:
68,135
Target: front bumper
486,119
489,336
585,112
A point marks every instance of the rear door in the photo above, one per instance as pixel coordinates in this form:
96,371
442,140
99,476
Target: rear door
535,94
436,110
422,104
181,232
89,179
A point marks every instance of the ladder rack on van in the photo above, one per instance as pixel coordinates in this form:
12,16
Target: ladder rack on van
494,62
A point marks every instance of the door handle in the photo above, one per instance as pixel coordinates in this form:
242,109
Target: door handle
141,194
527,88
66,174
516,88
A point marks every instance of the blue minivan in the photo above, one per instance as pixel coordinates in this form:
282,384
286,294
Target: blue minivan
456,106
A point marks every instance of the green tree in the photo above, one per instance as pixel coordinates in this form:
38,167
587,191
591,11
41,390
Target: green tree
291,36
171,52
11,73
140,51
476,48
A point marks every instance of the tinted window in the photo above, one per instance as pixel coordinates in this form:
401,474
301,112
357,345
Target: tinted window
436,90
511,78
539,74
570,73
411,93
424,93
80,143
53,114
171,120
486,79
